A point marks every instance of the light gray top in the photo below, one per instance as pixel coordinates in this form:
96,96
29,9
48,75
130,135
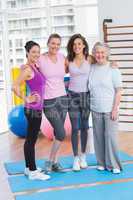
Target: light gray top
79,76
103,81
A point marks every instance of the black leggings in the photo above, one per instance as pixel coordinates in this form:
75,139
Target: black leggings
79,109
34,121
55,110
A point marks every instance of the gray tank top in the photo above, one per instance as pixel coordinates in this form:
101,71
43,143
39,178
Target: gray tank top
79,76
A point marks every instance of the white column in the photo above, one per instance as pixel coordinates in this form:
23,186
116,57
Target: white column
48,14
5,54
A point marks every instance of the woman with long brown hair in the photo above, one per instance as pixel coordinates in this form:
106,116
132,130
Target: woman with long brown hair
78,62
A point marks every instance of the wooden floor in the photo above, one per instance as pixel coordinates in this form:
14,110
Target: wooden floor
11,149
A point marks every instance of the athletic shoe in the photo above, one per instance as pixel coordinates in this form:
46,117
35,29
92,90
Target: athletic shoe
116,171
100,168
83,163
76,164
26,170
48,166
109,169
56,167
36,175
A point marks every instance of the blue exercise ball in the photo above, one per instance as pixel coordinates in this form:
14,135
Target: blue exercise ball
17,121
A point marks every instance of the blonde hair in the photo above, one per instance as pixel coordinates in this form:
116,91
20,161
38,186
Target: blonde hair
100,44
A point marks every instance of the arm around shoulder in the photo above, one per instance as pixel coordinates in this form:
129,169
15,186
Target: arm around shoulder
91,59
66,65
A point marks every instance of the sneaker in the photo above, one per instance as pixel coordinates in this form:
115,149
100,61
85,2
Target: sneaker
48,166
100,168
26,170
116,171
109,169
76,164
56,167
36,175
83,163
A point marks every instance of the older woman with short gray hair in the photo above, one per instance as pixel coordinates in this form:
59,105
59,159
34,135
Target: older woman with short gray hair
105,85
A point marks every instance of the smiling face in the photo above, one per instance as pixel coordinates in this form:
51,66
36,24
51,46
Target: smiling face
78,46
101,55
33,54
54,45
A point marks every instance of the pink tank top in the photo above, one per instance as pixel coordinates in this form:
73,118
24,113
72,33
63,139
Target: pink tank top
54,76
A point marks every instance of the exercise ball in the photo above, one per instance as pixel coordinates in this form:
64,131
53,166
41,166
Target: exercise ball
67,125
17,121
47,129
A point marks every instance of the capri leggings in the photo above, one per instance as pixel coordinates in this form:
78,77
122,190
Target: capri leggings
55,111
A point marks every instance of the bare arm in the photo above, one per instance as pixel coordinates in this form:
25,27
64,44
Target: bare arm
25,74
91,59
66,65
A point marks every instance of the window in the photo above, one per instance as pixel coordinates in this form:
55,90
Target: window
57,20
62,10
11,4
19,43
25,22
10,44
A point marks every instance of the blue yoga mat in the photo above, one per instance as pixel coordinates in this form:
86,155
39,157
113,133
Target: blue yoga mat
116,191
13,168
67,161
22,183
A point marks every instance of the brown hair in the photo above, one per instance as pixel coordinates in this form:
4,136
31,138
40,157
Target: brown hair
28,46
70,52
54,35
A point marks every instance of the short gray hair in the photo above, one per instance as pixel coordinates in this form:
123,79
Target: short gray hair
100,44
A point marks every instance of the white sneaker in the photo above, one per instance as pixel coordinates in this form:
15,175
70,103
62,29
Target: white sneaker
76,164
108,169
36,175
116,171
26,170
83,163
100,168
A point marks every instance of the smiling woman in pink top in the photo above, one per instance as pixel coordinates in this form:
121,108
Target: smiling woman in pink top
52,65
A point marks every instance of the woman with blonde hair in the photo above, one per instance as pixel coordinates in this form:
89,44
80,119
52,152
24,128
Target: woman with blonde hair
52,65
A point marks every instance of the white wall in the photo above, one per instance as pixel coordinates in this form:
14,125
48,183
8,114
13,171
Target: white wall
121,11
3,112
86,20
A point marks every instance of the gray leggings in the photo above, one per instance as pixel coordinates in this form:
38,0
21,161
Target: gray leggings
79,109
55,111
